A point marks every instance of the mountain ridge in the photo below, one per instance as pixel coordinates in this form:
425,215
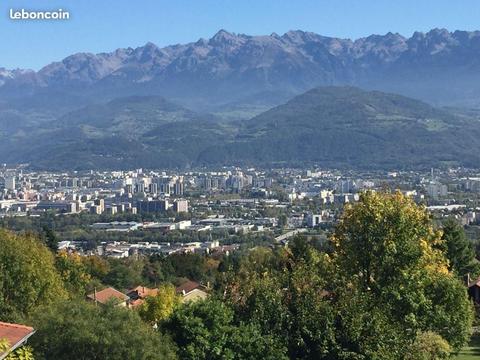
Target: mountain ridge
350,127
326,126
228,67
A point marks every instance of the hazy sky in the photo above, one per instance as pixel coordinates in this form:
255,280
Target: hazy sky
104,25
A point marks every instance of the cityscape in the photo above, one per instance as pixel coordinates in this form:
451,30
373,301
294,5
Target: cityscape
239,180
274,204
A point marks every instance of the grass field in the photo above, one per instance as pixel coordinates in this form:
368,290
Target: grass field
472,351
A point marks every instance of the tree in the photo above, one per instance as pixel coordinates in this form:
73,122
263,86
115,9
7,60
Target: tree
124,273
448,311
284,294
458,249
73,272
382,238
50,238
158,308
96,332
364,330
96,266
429,346
28,277
388,253
206,330
191,266
282,220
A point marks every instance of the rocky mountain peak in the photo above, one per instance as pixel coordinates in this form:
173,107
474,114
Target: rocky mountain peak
228,66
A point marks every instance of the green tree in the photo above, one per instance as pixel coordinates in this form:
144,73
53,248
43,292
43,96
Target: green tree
282,220
429,346
158,308
448,311
458,249
50,238
28,277
384,239
191,266
388,253
124,273
284,293
206,330
73,272
96,332
363,330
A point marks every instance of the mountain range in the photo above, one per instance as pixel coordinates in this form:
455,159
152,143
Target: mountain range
235,70
286,99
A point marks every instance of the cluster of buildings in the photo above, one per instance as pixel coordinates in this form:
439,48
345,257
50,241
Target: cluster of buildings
109,193
124,249
188,291
230,200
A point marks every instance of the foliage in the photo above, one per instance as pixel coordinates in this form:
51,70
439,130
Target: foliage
73,272
364,331
124,273
22,353
459,250
28,277
50,238
191,266
429,346
206,330
384,239
284,294
385,281
448,310
96,332
96,266
387,250
158,308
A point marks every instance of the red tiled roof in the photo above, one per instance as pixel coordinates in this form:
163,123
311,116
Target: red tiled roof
103,296
15,334
187,287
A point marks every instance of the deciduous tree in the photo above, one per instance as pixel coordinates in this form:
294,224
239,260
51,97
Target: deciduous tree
158,308
28,277
79,330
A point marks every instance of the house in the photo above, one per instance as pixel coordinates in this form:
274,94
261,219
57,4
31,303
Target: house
108,295
16,336
138,294
191,291
474,290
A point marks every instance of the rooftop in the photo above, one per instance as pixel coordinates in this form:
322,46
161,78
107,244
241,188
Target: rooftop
15,334
103,296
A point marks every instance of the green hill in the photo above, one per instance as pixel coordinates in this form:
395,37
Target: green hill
329,126
345,126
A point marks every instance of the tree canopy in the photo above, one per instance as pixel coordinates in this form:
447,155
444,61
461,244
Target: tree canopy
207,330
96,332
384,286
388,252
159,307
28,277
459,250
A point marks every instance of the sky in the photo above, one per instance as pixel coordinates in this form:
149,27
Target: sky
105,25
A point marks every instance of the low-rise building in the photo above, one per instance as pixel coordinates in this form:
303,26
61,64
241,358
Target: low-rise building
108,295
